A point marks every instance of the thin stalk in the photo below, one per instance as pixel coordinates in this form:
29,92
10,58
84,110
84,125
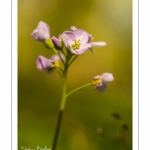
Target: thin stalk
62,106
61,58
77,89
64,53
72,60
57,130
60,69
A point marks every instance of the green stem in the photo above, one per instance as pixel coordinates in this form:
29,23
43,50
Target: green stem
60,69
79,88
73,60
57,130
64,52
61,58
63,100
62,106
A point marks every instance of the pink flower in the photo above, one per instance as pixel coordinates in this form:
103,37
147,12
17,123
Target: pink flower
100,81
94,44
76,41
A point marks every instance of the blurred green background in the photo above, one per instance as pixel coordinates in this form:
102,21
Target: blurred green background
39,93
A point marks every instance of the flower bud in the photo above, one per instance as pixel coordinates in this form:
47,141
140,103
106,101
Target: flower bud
43,63
73,28
57,59
42,32
57,42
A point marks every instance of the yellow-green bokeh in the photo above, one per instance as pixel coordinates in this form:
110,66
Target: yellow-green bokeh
39,93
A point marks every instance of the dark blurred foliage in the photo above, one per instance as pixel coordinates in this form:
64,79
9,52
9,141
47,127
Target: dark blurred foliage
39,93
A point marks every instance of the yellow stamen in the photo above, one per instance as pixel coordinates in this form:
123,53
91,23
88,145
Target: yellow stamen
76,45
97,81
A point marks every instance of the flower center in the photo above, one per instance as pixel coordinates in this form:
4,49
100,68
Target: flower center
76,45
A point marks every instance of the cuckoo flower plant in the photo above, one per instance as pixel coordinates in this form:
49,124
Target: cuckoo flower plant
67,48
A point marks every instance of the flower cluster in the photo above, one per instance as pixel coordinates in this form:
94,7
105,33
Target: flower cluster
67,47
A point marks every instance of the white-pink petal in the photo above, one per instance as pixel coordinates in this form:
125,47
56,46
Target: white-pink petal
107,77
99,44
81,35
